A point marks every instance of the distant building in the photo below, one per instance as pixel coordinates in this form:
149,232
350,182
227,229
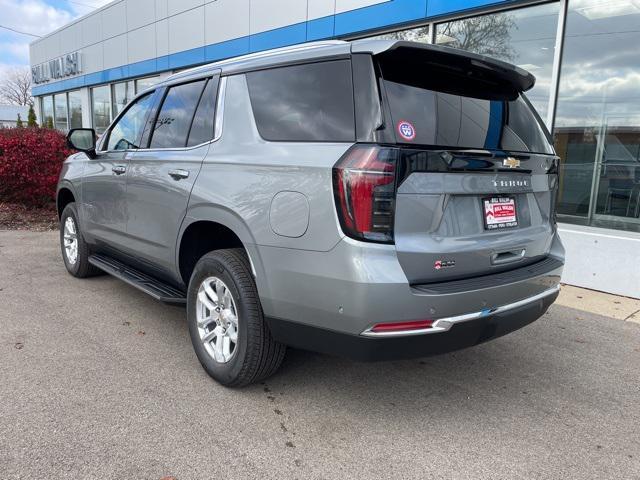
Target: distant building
9,115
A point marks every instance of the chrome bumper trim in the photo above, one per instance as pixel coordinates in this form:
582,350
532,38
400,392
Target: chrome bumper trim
445,324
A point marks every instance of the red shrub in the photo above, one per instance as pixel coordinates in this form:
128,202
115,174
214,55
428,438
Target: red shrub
30,163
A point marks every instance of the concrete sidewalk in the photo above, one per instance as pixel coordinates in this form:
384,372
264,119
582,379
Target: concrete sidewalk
613,306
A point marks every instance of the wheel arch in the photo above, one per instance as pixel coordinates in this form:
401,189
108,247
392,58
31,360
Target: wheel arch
207,228
64,196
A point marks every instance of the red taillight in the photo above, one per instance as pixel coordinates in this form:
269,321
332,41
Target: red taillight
401,326
364,187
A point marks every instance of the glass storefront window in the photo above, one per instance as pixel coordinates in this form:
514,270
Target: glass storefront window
60,105
420,34
525,37
144,83
121,93
47,111
101,107
75,109
597,128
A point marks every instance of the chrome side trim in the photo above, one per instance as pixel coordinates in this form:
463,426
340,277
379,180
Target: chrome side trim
445,324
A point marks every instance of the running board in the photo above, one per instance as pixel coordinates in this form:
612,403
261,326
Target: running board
149,285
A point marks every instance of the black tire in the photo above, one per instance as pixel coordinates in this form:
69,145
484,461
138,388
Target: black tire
257,355
81,268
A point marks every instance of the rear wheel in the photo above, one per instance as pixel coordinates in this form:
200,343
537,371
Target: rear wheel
226,323
75,250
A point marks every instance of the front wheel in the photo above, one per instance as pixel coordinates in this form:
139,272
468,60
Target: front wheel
75,250
226,323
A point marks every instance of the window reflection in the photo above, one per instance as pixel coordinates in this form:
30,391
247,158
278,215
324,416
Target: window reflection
126,133
525,37
60,105
122,93
47,112
420,34
101,107
174,120
75,109
597,132
143,83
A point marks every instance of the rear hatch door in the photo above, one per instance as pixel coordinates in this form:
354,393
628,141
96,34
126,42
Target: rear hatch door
476,173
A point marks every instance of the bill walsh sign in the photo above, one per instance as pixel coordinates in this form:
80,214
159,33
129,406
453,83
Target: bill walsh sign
60,67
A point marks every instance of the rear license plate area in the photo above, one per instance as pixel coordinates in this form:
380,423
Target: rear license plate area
499,212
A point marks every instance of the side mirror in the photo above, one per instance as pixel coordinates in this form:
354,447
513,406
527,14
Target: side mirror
83,139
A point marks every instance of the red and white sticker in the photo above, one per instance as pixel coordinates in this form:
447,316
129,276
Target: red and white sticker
500,212
406,130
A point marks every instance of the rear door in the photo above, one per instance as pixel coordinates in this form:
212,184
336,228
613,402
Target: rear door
476,173
161,176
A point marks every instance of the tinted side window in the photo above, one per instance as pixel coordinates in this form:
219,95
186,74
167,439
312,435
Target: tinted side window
309,103
202,126
175,116
126,133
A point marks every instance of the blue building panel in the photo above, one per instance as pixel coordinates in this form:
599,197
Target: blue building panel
228,49
446,7
379,16
321,28
145,67
195,56
280,37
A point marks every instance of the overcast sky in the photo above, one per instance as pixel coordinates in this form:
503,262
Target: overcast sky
37,17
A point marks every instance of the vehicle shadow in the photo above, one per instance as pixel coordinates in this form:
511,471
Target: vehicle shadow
504,371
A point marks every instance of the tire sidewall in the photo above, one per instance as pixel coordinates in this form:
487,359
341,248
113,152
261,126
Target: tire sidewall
70,211
225,373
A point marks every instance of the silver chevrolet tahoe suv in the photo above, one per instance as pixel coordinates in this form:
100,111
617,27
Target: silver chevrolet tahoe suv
373,199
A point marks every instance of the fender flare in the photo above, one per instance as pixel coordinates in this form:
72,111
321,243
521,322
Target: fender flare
66,185
230,219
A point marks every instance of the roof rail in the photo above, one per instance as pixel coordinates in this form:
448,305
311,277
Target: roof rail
257,55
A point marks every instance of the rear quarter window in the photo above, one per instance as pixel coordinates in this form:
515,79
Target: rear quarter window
304,103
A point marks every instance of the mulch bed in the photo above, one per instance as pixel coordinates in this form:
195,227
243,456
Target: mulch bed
18,217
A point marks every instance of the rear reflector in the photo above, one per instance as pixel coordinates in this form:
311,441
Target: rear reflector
401,326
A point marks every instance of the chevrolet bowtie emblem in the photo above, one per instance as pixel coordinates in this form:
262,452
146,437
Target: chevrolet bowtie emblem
511,162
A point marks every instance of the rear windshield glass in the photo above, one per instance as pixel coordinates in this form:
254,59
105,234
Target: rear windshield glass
431,117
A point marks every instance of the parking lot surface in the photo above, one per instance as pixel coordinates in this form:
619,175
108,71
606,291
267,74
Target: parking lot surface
98,380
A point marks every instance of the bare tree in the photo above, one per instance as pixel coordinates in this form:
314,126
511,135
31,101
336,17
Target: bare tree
486,35
15,87
420,34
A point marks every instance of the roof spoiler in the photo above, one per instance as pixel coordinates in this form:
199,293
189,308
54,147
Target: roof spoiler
502,72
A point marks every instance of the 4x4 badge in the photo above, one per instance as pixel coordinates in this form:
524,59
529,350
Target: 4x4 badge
440,264
511,162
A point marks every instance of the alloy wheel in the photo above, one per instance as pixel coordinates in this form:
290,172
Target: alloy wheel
217,319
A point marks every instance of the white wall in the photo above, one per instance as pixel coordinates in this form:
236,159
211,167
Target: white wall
601,259
129,31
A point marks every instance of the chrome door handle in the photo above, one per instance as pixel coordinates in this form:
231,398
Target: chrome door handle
178,174
119,169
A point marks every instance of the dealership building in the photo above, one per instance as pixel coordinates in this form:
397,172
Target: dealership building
584,53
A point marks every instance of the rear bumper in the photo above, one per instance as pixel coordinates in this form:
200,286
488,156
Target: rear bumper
447,334
356,285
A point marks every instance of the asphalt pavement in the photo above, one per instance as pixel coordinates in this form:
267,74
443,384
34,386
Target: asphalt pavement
99,381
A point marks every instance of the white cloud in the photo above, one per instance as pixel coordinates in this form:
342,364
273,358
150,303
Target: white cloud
35,17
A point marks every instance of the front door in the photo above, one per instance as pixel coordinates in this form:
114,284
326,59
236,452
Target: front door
104,207
160,177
